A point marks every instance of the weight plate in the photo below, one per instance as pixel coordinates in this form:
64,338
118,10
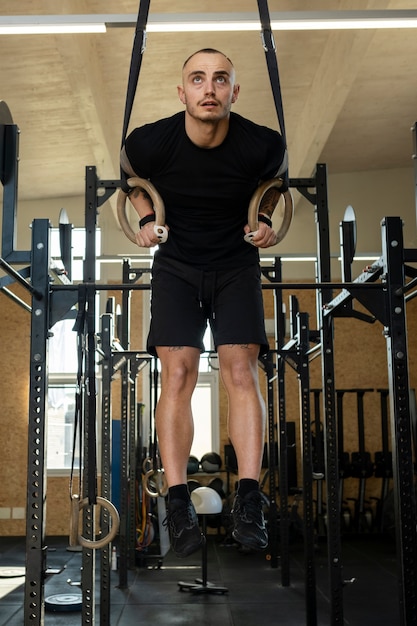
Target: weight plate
11,572
64,602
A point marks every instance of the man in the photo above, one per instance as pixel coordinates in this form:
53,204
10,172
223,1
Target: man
206,163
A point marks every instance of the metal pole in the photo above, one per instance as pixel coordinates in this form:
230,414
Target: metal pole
325,325
106,425
38,384
307,465
400,417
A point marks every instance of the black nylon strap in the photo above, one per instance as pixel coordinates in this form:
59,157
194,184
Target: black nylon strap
272,63
85,400
139,45
91,398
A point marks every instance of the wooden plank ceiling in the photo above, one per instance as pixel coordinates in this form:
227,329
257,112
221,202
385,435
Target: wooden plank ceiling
349,97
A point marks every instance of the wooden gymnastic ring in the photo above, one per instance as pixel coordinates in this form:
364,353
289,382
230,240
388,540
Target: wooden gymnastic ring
158,206
161,485
147,464
78,505
255,204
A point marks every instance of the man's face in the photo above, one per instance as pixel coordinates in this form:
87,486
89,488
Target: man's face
208,89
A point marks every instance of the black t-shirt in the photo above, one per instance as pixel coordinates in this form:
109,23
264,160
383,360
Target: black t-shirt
206,192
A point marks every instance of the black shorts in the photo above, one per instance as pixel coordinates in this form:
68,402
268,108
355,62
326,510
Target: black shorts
184,299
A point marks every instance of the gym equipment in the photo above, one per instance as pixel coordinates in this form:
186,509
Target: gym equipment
192,485
345,466
158,206
193,465
217,485
254,205
12,572
211,462
85,421
153,479
5,114
317,442
383,461
64,602
362,468
76,538
206,502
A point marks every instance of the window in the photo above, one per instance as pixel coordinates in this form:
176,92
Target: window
78,248
61,421
63,365
206,415
61,394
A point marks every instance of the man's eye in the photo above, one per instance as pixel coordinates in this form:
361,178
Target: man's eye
197,79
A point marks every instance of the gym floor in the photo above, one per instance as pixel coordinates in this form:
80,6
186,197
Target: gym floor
255,594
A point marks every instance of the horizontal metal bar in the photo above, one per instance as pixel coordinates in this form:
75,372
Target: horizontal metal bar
16,299
18,278
285,286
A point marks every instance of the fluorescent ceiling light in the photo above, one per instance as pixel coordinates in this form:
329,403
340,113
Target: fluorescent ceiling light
294,20
210,22
50,29
50,24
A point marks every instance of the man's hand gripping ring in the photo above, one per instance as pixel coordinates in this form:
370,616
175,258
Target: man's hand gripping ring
158,206
255,204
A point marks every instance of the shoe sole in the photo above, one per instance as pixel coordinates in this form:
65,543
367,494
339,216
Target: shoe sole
247,543
184,554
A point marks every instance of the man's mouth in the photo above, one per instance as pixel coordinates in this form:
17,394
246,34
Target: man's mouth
209,103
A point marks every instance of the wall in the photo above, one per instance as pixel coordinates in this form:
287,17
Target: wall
360,355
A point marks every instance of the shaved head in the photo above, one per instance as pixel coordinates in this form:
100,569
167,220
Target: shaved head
206,51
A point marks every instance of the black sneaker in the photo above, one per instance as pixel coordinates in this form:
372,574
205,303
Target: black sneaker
184,531
248,519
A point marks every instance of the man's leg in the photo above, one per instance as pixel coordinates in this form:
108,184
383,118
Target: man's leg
246,419
174,420
175,429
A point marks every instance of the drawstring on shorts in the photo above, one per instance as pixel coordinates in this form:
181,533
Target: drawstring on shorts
207,291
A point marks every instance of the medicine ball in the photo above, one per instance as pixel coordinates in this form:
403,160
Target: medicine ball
193,484
193,465
217,485
211,462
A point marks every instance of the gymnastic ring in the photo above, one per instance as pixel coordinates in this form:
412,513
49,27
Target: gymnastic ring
147,465
255,204
161,485
158,206
78,505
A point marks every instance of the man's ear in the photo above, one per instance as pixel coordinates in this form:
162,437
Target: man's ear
236,90
181,94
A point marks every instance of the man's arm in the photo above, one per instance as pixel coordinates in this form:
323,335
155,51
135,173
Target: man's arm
142,203
269,202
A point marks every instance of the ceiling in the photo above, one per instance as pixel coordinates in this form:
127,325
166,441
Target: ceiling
350,97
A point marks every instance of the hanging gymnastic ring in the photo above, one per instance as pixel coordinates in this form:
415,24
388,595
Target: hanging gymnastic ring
255,204
161,485
147,464
78,505
158,206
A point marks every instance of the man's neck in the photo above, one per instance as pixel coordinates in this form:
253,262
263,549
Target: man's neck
206,134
